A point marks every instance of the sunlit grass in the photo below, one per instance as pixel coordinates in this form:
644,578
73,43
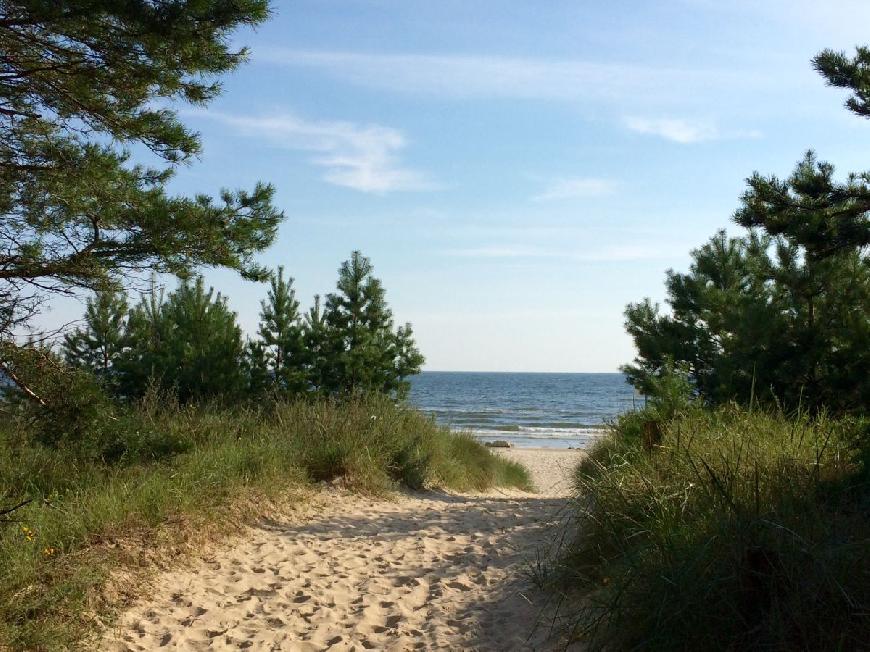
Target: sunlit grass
88,519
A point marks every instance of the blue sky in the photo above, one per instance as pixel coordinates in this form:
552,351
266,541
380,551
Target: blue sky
518,171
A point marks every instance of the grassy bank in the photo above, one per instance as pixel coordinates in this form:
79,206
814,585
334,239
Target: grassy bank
727,530
179,474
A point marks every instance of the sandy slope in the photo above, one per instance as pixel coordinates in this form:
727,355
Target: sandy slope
421,572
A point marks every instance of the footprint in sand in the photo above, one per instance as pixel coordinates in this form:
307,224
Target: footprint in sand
459,585
393,621
337,584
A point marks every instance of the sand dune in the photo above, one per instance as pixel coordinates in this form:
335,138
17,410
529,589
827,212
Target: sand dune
421,572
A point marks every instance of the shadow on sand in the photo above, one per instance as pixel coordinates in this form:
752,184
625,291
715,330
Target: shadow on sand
500,542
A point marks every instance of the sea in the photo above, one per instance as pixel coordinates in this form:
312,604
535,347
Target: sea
540,410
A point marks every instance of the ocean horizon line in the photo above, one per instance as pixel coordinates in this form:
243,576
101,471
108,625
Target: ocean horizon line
560,373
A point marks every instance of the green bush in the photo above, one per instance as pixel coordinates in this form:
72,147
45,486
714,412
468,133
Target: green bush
739,530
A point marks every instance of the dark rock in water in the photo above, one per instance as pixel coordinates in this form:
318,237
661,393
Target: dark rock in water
499,443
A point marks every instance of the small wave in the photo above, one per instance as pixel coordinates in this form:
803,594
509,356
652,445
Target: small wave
465,412
567,429
561,434
568,426
486,427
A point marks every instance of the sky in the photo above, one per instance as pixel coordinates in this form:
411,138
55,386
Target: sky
517,171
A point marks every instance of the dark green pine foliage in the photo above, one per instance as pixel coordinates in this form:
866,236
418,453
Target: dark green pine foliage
97,345
722,324
320,345
146,335
824,275
756,318
852,73
78,77
407,359
282,336
784,313
256,368
189,344
363,353
360,323
810,208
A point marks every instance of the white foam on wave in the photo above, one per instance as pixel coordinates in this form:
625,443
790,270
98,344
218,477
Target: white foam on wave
581,429
539,433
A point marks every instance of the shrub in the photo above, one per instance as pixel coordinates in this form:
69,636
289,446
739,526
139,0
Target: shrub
741,530
63,407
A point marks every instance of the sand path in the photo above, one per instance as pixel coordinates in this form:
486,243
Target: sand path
427,571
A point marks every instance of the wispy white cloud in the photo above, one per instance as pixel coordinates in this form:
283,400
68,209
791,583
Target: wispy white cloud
576,188
602,86
497,251
675,129
684,131
489,76
628,253
361,157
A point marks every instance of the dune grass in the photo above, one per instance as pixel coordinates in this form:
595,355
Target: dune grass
183,474
735,530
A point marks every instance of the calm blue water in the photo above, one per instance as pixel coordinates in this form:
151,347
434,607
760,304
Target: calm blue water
541,410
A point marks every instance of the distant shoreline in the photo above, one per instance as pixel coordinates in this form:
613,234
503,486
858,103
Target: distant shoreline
537,373
538,449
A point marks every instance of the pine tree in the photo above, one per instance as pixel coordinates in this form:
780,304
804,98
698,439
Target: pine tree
724,327
852,73
256,368
363,353
282,335
76,78
408,360
810,208
320,347
359,315
791,324
190,344
98,344
146,336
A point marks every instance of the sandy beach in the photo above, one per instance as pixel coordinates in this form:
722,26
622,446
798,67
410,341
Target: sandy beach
426,571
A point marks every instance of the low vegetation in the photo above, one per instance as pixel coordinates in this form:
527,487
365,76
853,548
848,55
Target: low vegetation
177,470
733,530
